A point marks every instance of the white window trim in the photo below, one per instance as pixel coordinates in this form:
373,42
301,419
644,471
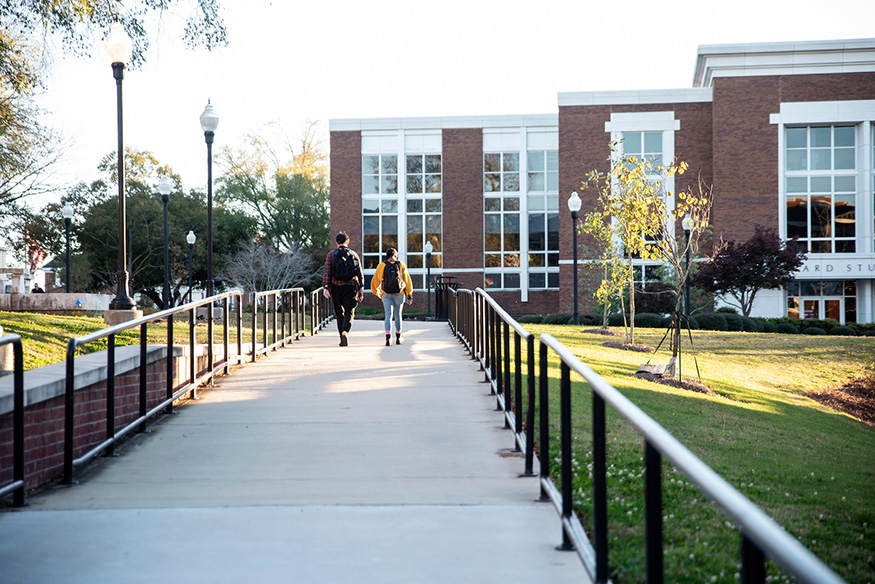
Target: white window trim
662,121
860,113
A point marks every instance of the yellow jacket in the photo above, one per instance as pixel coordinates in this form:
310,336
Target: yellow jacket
377,280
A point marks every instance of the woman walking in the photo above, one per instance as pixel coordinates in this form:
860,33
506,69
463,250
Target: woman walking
393,285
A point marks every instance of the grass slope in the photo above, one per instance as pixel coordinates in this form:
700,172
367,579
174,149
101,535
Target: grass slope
811,468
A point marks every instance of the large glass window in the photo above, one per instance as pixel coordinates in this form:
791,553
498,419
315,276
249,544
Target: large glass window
501,172
424,214
379,207
821,187
543,212
501,216
644,146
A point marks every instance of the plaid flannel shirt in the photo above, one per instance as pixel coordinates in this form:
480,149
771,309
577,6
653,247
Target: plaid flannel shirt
358,281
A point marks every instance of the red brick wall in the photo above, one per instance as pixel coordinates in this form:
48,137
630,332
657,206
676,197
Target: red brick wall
346,187
463,202
44,421
745,150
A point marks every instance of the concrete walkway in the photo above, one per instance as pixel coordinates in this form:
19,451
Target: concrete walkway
366,464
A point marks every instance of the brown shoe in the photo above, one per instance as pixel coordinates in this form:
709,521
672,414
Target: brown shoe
343,341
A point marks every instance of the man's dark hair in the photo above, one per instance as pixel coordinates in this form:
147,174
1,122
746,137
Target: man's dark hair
342,238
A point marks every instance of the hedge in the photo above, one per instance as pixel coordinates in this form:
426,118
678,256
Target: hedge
842,331
814,330
558,318
531,319
787,329
711,321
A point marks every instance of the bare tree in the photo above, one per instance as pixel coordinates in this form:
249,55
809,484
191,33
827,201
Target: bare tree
257,267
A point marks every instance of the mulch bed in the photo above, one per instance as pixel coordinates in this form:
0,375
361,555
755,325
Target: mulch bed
603,331
628,347
686,383
855,398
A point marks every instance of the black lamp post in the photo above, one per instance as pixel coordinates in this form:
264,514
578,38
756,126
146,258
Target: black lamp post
209,123
190,239
428,249
165,185
574,204
119,47
68,217
688,226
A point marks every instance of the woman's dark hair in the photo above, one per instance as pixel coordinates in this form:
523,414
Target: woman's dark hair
390,253
341,238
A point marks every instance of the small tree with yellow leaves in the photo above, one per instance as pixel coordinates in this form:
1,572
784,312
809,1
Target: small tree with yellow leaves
636,218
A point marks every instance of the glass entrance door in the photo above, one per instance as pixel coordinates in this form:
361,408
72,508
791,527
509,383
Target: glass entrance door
823,307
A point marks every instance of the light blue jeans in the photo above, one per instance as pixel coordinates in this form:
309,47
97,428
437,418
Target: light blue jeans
393,303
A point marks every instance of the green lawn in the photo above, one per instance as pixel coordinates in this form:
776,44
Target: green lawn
45,336
810,468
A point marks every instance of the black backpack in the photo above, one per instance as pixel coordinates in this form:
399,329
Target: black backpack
345,266
392,278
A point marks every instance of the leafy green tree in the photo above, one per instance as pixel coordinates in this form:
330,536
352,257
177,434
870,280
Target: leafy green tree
25,28
97,231
739,271
28,29
286,190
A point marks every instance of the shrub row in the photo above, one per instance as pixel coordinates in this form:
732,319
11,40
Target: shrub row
722,320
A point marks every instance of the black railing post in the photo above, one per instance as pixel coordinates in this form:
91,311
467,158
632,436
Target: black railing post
240,328
110,393
544,414
282,316
518,388
273,298
490,347
69,402
495,360
209,333
565,447
530,412
753,562
600,487
653,510
506,373
170,363
18,419
225,335
144,346
254,325
192,358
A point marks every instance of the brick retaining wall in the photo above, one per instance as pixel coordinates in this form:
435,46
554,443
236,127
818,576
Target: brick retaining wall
45,410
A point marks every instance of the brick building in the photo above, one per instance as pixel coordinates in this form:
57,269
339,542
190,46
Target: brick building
782,131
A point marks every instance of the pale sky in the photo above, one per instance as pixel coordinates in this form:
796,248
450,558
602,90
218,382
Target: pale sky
289,62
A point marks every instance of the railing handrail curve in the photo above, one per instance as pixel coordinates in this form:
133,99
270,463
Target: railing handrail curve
148,318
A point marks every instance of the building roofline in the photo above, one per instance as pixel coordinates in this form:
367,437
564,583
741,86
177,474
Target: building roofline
647,96
783,58
446,122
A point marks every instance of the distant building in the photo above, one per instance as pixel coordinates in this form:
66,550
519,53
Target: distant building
783,131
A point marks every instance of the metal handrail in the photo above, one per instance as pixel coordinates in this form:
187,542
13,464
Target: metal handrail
291,303
761,536
144,414
320,310
16,487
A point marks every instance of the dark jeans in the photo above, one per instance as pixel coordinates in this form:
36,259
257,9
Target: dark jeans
343,298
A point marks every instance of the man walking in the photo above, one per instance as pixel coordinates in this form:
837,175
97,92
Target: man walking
344,282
